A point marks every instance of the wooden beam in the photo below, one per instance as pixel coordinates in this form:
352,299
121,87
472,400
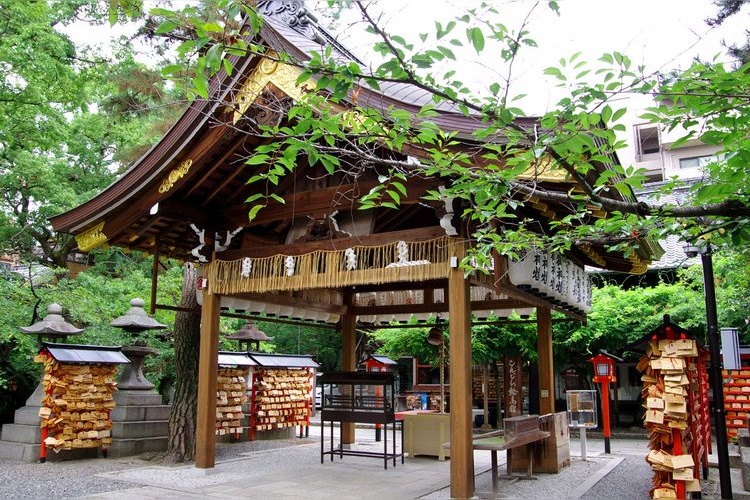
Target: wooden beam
154,280
462,455
421,234
427,286
326,200
532,300
206,174
477,305
545,363
208,366
128,214
256,317
287,300
349,357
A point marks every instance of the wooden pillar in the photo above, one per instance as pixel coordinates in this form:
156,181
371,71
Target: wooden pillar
545,365
462,455
208,365
349,358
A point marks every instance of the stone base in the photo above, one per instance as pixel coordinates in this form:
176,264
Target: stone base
25,452
129,447
140,423
287,433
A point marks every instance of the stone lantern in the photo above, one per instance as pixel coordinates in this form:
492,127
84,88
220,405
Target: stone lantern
136,321
249,334
21,439
55,329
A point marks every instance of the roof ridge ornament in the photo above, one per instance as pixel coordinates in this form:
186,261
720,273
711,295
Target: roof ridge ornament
298,17
295,15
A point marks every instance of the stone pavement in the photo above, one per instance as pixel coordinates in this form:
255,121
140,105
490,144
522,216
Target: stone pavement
296,473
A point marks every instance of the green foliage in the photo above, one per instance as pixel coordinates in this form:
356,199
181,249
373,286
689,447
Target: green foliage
61,143
577,136
398,342
91,301
324,344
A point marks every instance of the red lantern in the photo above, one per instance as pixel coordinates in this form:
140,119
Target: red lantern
604,368
604,373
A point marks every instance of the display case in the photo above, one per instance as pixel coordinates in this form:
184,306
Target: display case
582,409
359,397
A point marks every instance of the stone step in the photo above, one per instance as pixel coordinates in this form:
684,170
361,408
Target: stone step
140,413
27,415
129,447
141,429
21,433
19,452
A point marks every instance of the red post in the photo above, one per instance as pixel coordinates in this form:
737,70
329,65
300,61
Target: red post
605,414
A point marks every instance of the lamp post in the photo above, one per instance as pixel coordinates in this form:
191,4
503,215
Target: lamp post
717,384
604,373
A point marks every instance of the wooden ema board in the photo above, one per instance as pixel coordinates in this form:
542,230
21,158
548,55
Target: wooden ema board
736,400
281,399
671,392
231,394
76,405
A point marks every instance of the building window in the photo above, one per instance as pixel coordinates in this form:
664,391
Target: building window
698,161
646,140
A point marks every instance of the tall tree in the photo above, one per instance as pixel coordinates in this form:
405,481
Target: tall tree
182,419
727,9
69,119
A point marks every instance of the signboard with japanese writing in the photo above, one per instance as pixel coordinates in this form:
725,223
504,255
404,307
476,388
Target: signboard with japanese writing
512,386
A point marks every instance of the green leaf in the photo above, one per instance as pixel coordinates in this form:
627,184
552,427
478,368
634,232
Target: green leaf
277,198
253,212
258,159
200,86
166,27
476,37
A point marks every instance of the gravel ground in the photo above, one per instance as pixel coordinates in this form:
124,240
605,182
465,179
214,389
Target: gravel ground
630,479
548,486
76,478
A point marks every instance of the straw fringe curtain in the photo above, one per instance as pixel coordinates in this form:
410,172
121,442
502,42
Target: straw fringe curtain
328,269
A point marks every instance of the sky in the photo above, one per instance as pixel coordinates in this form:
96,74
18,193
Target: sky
660,34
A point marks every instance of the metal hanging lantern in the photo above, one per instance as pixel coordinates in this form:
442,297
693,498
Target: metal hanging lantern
436,337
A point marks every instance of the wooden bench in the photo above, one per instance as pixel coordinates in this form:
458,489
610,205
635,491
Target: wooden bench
519,431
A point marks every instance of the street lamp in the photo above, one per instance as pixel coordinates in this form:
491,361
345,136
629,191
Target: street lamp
604,373
717,385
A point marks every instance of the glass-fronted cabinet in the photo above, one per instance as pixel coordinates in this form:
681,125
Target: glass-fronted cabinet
582,409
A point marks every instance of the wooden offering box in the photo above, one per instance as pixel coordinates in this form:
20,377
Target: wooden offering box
514,426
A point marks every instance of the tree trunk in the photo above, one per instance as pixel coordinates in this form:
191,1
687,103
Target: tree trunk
186,347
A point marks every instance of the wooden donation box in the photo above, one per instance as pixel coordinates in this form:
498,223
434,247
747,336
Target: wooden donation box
551,454
425,432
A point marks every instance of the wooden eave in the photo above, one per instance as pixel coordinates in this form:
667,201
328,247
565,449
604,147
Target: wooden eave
211,193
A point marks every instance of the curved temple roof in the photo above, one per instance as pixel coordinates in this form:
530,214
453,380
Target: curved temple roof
185,198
